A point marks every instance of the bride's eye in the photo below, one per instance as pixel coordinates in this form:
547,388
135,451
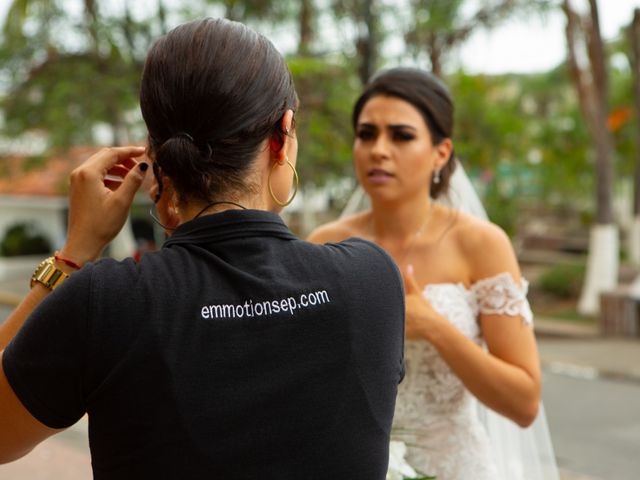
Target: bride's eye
364,134
403,136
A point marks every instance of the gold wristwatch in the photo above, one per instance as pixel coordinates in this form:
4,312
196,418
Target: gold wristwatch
48,274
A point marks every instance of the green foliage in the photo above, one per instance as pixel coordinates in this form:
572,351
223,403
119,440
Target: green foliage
60,98
562,281
437,27
66,71
327,91
523,135
23,239
246,10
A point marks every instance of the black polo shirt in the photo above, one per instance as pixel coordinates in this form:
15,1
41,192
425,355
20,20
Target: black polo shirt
235,352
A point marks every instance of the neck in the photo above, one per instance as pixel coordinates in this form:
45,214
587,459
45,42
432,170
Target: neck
200,209
399,220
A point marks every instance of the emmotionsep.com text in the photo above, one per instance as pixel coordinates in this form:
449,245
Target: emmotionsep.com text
268,307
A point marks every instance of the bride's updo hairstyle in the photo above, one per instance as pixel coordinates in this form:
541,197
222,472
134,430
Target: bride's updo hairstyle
428,95
212,91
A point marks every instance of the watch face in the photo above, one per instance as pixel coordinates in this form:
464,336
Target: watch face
48,275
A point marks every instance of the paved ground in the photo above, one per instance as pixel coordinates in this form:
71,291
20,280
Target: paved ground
594,424
582,351
62,457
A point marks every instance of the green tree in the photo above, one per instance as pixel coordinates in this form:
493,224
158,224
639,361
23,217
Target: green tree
24,239
591,82
66,74
436,27
365,17
327,91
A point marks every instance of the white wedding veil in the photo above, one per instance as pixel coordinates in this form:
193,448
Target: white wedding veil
460,195
520,453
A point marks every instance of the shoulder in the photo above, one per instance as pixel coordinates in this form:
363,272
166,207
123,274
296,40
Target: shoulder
106,277
348,235
341,229
486,247
362,259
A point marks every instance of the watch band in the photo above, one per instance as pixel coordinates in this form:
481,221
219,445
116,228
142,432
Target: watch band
48,274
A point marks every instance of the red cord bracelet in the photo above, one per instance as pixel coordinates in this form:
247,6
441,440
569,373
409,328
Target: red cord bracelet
66,262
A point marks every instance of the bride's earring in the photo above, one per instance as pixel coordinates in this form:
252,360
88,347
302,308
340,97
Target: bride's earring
436,177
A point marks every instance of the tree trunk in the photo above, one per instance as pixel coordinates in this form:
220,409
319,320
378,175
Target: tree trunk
435,55
602,267
602,134
91,14
367,42
162,17
306,18
232,10
591,87
634,233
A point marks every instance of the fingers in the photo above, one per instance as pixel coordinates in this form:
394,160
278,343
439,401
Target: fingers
119,170
131,182
410,282
108,157
108,165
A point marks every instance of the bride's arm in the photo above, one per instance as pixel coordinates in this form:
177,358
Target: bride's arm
507,378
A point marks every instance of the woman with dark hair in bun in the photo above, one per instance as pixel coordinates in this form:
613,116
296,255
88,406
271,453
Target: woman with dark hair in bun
237,351
468,322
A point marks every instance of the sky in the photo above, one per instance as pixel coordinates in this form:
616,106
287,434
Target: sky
535,44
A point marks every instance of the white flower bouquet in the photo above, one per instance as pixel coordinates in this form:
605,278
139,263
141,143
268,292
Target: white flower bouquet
399,469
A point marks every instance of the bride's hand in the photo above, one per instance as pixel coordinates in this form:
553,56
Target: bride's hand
421,317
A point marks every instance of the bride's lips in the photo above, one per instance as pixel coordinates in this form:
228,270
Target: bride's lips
378,176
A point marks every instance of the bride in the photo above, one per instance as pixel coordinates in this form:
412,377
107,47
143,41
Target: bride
472,382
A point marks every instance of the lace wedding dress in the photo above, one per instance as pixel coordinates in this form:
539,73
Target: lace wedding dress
446,431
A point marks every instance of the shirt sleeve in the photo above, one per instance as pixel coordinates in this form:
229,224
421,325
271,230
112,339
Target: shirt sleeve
45,363
384,320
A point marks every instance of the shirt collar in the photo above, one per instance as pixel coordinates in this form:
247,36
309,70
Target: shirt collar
230,224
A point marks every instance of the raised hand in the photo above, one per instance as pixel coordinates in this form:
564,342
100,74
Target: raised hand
421,318
100,194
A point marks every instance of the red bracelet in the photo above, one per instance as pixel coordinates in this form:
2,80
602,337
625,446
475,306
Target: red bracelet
66,262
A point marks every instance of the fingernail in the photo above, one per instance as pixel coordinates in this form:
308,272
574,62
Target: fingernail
143,166
410,269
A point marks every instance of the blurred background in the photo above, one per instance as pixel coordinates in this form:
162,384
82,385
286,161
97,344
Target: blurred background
547,96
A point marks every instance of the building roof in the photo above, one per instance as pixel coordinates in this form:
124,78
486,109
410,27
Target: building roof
48,177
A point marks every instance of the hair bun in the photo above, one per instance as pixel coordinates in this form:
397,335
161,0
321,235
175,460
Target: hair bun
180,154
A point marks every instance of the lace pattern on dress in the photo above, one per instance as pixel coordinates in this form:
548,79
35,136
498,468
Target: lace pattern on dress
435,414
501,295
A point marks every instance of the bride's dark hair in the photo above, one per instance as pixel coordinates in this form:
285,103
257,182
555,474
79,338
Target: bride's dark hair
427,94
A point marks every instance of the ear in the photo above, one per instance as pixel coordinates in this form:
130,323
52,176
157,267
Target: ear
279,142
442,151
156,193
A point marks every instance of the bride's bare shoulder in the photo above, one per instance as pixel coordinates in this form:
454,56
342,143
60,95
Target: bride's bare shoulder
477,235
486,246
341,229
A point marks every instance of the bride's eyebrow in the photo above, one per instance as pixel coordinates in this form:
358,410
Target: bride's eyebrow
366,127
401,126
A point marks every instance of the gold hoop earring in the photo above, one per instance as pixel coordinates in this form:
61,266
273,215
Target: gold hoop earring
295,183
